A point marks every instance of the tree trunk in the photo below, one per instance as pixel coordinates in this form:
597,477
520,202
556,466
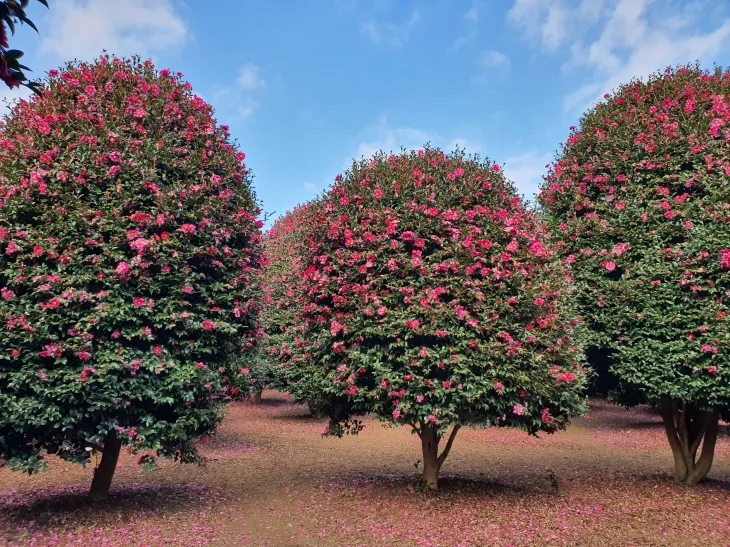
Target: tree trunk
687,427
315,409
256,398
431,465
104,474
432,462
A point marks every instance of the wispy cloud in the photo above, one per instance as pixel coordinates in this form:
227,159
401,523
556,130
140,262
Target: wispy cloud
472,22
388,33
494,58
83,28
241,97
384,136
628,38
526,171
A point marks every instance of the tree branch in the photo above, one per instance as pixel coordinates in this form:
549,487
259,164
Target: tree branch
447,448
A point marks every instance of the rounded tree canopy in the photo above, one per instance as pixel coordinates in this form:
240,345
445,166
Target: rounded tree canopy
128,246
286,246
641,195
432,299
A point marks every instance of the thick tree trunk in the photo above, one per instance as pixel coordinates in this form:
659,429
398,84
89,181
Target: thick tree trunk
104,474
432,461
256,398
687,427
431,465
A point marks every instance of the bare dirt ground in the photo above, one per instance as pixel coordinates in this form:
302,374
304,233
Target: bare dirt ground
273,480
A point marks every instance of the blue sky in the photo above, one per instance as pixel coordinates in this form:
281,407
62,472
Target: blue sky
308,85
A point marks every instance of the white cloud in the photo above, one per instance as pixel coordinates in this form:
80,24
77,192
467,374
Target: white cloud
472,20
383,136
526,171
390,34
241,96
466,144
250,77
388,138
618,40
83,28
494,58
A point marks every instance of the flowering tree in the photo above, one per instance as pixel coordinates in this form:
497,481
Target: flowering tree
287,246
641,196
432,300
128,242
11,71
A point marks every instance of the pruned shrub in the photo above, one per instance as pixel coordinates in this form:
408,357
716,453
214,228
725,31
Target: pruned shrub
128,249
431,299
640,195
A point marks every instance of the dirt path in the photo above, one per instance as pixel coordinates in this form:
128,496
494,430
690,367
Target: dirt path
273,480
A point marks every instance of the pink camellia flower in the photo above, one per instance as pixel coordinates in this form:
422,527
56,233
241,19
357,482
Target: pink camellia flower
208,325
419,399
83,355
245,371
188,229
138,302
157,350
518,409
539,301
712,369
432,420
122,269
708,348
86,373
609,266
567,377
378,194
11,248
7,295
545,416
447,384
187,289
396,414
413,324
725,259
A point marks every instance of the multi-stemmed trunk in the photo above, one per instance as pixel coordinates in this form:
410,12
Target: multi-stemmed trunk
687,427
104,474
256,397
432,461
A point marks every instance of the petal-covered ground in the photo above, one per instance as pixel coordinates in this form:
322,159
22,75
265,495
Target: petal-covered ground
273,480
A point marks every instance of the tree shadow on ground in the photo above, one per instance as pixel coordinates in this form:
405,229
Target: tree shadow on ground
304,416
55,509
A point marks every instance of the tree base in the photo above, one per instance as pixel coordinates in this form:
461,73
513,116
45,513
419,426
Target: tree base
104,474
687,427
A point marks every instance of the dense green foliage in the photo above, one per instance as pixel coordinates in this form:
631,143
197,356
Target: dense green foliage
287,245
129,247
432,299
641,197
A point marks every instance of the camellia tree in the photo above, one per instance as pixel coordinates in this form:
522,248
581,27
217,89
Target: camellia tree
129,247
11,70
432,300
641,197
287,245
